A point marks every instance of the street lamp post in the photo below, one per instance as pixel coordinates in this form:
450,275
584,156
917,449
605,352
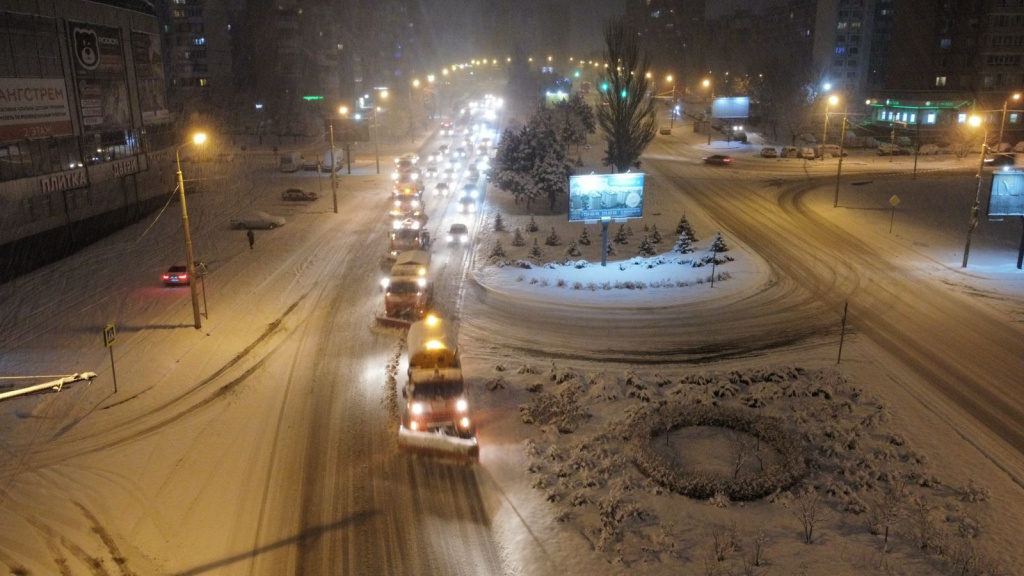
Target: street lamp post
839,167
672,103
376,129
707,84
1002,123
832,100
190,264
975,208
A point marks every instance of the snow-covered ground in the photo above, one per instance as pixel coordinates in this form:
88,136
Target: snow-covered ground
128,484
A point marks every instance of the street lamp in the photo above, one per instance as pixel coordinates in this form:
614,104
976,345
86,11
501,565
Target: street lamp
190,264
706,83
1002,123
832,100
973,221
383,93
672,102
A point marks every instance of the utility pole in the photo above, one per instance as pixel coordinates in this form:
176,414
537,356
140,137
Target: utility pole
334,173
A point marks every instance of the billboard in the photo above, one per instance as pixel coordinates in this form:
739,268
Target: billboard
731,108
1006,195
33,108
606,196
149,75
98,62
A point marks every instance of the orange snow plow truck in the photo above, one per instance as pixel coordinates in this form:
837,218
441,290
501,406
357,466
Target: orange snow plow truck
436,418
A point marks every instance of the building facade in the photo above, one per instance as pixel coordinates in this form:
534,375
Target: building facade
85,127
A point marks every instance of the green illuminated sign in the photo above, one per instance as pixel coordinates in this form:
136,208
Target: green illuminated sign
307,98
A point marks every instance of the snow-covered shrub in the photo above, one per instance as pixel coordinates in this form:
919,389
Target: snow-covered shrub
532,225
973,492
584,238
646,247
535,252
621,237
573,250
497,252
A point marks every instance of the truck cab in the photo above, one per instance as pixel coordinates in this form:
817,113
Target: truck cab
408,234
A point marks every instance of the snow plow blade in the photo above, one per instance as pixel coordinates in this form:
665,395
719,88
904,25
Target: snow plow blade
393,322
438,444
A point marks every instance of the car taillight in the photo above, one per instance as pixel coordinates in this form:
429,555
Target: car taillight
167,276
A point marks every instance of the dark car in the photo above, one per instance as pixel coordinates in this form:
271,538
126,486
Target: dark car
999,160
718,159
467,205
176,275
298,194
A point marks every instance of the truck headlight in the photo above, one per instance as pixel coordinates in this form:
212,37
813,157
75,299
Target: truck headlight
464,422
384,283
421,282
461,405
417,408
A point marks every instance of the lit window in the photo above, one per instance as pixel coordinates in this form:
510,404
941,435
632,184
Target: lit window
929,118
961,118
945,43
940,81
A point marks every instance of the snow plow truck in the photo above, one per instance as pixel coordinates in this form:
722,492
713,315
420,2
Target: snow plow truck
436,418
406,289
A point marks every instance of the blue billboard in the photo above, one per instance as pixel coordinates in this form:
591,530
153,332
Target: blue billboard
595,197
1006,197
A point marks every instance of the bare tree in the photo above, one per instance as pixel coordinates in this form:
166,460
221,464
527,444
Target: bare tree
806,508
627,114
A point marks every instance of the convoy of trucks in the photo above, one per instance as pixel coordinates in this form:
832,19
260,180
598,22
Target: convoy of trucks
406,289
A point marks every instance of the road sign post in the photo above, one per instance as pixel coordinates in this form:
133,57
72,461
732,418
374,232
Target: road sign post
109,337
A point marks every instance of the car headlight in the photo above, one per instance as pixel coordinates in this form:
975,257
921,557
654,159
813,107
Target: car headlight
472,207
461,405
417,408
450,238
421,282
384,283
464,239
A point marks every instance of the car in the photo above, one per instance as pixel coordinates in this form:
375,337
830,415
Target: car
256,220
829,150
176,275
441,189
430,171
298,194
467,205
407,160
888,149
458,233
807,153
769,152
789,152
472,173
310,164
1000,160
718,159
470,190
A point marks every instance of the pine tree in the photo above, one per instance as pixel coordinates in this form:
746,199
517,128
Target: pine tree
621,237
683,244
573,250
629,229
646,248
584,237
553,239
718,244
535,251
497,251
532,226
611,250
685,227
655,235
499,223
517,238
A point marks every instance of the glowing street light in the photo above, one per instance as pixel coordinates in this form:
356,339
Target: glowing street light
190,263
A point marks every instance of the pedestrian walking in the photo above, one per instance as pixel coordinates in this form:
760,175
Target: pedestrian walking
251,237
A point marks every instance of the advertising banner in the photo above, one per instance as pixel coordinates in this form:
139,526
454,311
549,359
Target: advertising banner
594,197
1006,196
149,75
731,108
98,62
33,108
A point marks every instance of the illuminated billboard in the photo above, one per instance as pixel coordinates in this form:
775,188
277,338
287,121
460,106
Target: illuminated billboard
1006,196
594,197
734,108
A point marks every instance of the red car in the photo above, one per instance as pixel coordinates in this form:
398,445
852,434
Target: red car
718,159
176,275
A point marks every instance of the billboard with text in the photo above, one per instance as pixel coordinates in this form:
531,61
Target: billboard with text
595,197
1006,196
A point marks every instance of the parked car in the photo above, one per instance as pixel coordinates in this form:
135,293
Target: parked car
790,152
256,220
176,275
807,153
298,194
718,159
458,234
829,151
769,152
889,149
